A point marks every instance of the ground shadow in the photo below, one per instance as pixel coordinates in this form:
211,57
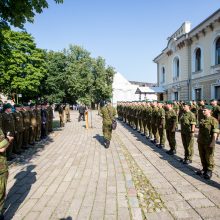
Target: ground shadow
31,151
19,190
67,218
173,160
100,139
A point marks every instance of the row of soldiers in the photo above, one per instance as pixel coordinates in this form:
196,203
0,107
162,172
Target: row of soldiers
27,124
159,121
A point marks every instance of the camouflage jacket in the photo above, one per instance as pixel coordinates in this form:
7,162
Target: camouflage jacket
3,160
207,127
171,119
187,120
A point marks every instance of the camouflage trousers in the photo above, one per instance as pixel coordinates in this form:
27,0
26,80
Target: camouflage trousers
107,131
149,128
162,135
3,183
188,142
206,154
155,132
171,139
18,141
145,127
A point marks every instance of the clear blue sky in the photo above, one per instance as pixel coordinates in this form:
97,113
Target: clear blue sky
128,34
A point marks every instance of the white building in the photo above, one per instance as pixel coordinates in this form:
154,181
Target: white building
123,90
189,67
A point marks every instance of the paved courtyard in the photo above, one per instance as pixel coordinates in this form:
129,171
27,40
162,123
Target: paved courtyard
72,176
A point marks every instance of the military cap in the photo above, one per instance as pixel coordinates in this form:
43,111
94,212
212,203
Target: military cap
187,103
6,106
208,107
170,102
212,100
160,102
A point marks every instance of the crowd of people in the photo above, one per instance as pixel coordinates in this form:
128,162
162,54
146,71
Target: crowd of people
159,120
26,123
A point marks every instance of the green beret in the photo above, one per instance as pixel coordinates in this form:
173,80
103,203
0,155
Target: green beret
212,100
170,102
208,107
161,102
6,106
187,103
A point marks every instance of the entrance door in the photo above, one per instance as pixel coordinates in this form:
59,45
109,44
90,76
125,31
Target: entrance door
198,94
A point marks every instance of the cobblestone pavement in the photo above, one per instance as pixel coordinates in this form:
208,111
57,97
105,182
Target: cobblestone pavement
72,176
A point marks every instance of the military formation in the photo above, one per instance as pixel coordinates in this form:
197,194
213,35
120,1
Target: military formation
159,121
27,124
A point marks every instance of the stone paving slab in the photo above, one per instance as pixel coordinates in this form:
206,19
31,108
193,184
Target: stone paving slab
72,176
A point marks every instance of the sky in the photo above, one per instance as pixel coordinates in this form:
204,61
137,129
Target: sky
128,34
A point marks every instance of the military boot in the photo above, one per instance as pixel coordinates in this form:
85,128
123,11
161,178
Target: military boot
107,144
208,174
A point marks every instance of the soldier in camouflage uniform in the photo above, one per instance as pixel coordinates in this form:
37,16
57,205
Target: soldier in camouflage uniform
27,123
50,116
154,123
149,119
38,119
188,123
176,108
8,127
161,124
108,113
19,129
208,130
67,111
144,119
171,120
200,111
33,124
5,141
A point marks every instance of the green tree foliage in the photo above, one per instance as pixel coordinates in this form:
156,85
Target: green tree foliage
18,12
22,65
54,87
73,75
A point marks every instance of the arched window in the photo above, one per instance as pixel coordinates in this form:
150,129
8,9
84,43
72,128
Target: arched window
217,52
198,59
176,67
163,75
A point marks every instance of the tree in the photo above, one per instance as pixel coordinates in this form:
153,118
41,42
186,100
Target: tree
22,65
55,84
18,12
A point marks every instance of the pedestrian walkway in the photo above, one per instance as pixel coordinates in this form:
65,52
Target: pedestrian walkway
72,176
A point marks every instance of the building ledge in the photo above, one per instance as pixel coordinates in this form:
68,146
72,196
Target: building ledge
197,72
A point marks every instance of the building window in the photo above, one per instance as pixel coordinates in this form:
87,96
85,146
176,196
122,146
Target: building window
163,75
176,96
176,67
198,94
217,92
217,52
198,59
